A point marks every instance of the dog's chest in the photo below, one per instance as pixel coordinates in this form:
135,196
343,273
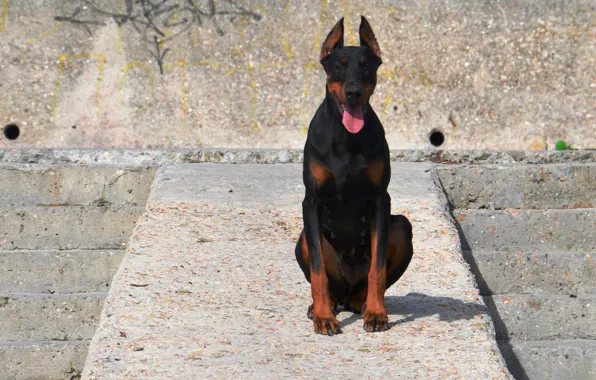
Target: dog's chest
351,187
350,181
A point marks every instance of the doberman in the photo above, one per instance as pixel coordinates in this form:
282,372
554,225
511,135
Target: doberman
351,248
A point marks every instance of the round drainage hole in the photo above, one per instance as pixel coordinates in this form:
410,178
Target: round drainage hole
436,138
11,131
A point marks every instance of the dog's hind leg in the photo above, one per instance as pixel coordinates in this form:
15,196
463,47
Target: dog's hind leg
400,250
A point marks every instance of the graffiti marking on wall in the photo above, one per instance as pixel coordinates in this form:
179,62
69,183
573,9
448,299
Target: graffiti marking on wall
158,22
4,15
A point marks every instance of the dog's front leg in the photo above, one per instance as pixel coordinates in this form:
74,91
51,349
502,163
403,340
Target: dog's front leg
375,314
323,318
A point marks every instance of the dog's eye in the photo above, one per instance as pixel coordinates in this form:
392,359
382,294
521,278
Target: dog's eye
339,67
365,67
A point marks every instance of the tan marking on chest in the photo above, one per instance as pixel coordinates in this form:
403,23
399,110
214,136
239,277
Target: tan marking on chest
320,173
374,171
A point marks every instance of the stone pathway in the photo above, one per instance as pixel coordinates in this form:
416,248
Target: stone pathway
209,288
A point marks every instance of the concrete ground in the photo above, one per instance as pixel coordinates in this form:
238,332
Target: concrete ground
209,288
208,283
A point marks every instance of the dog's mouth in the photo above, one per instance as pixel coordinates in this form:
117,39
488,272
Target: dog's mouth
352,116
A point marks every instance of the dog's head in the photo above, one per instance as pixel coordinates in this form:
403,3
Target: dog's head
351,72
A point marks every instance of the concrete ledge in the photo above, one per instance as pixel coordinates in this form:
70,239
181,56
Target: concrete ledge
277,156
514,230
534,317
556,186
58,271
57,317
93,227
42,360
534,271
74,185
553,360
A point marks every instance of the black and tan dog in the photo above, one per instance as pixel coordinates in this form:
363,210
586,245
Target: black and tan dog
351,249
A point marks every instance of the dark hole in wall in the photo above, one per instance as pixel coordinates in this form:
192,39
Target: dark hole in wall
11,131
436,138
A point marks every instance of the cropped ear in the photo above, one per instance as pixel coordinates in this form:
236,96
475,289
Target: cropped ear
334,40
367,37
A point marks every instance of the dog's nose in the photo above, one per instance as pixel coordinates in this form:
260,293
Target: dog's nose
353,94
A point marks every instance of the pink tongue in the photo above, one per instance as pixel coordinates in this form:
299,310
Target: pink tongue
353,119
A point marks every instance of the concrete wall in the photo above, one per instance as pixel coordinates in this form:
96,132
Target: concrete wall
508,74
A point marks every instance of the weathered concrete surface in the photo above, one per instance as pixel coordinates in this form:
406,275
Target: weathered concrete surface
63,228
49,271
545,317
49,317
509,74
151,157
554,360
530,236
534,272
520,186
42,360
566,230
209,288
74,185
93,227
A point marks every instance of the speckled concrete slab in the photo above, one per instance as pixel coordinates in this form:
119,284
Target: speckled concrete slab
209,288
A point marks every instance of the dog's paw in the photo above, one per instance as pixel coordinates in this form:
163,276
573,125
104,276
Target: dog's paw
326,324
375,319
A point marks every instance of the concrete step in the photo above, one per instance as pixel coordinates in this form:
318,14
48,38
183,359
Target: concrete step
533,317
35,317
209,288
75,185
93,227
45,271
535,272
552,186
514,230
42,360
551,360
